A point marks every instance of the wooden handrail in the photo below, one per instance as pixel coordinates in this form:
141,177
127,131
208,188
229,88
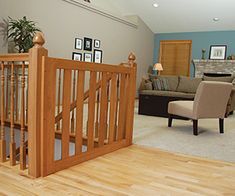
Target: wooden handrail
14,57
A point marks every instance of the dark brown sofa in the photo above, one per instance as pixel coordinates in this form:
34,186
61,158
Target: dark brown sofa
154,102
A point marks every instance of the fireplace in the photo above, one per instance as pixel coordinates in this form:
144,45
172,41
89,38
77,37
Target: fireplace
214,67
217,74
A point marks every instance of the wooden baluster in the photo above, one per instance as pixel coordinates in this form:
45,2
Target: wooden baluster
74,84
122,115
26,108
113,108
58,107
16,95
91,111
79,112
117,107
97,109
7,94
106,115
3,140
12,134
103,109
22,122
66,113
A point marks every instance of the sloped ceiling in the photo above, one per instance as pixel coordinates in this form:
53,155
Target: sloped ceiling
176,15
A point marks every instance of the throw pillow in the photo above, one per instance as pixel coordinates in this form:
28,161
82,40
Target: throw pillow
157,84
142,84
161,84
165,85
173,81
148,86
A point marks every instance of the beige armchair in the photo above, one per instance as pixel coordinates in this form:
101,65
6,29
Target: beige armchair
210,102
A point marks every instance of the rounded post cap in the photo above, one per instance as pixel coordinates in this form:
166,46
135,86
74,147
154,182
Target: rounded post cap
131,57
38,39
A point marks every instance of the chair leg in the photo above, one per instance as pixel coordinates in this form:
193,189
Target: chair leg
221,125
170,121
195,127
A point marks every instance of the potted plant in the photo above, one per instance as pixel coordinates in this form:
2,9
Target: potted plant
21,32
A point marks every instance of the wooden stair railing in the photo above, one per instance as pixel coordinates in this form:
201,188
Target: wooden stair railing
110,109
13,107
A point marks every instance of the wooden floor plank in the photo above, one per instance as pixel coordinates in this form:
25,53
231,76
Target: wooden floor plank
135,170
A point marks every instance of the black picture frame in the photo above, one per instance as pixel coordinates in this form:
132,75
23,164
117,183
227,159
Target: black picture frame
96,43
98,55
78,43
218,52
77,56
87,44
87,57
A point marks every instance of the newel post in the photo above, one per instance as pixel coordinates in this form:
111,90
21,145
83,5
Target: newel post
34,104
131,98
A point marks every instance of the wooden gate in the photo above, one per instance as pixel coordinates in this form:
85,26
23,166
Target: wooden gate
79,124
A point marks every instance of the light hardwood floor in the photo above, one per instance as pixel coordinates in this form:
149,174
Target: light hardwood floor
135,170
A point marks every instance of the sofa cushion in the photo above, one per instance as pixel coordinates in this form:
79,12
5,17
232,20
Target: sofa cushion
188,85
168,93
160,84
220,79
173,81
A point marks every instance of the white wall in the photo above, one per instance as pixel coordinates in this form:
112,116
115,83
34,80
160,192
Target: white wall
62,22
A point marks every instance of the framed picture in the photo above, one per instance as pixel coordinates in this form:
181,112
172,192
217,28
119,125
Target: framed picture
87,57
77,56
96,43
78,43
97,56
218,52
87,44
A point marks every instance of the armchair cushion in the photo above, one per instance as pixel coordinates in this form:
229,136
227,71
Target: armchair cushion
181,108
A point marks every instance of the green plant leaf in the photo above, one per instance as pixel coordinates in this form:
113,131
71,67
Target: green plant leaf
21,31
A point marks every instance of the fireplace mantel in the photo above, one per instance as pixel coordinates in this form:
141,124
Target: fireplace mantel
213,66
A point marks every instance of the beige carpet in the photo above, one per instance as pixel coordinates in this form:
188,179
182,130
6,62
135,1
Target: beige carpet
153,131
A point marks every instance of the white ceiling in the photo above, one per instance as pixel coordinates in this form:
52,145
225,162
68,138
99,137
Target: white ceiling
176,15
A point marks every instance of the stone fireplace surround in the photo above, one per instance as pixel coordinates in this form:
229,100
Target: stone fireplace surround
213,67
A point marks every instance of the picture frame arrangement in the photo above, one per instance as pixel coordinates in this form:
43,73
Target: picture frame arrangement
78,43
87,44
96,43
87,57
97,57
218,52
77,56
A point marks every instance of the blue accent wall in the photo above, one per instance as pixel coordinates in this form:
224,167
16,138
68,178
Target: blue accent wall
199,40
